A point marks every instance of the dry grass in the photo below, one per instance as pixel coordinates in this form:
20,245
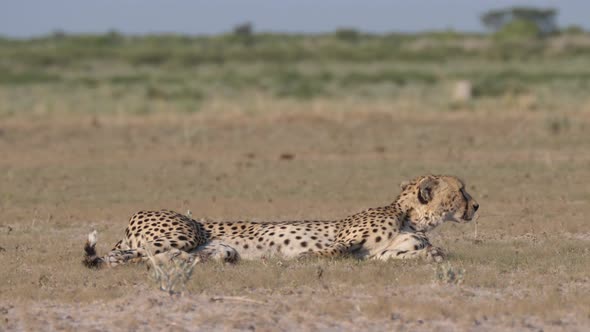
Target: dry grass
526,267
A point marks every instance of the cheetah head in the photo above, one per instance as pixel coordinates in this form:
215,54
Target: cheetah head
432,199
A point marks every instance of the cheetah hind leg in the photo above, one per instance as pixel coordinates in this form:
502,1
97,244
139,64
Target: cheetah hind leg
113,258
218,251
123,254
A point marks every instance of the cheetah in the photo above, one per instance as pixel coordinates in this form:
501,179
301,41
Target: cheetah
394,231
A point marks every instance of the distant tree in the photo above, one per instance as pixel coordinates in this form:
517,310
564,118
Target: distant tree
543,19
347,34
244,33
111,38
244,30
519,29
58,34
573,30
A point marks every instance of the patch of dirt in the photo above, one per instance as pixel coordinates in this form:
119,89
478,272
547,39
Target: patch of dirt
61,177
301,310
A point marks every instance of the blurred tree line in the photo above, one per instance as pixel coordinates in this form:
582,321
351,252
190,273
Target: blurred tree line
524,22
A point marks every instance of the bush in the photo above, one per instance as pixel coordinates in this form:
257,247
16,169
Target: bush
494,87
398,77
244,33
518,30
573,30
347,34
27,77
292,83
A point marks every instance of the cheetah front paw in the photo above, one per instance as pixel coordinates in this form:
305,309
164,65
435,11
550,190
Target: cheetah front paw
435,254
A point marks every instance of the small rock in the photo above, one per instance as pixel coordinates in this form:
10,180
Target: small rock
463,91
287,156
396,316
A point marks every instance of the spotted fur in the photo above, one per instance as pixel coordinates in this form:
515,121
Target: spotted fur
397,230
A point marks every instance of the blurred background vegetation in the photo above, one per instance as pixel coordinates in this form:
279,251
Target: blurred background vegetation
525,56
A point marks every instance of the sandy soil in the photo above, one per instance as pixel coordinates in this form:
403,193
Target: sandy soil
527,263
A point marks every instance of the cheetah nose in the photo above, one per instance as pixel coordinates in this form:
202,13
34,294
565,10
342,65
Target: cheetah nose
475,207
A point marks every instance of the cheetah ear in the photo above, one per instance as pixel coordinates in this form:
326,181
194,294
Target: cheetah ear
404,184
426,187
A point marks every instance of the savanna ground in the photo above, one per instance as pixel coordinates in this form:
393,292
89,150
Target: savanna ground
89,142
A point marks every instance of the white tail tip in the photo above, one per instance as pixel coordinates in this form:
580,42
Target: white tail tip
92,237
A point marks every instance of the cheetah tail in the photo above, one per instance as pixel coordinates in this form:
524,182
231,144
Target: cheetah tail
91,259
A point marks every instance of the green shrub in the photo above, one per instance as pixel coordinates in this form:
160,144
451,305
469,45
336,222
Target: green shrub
399,77
129,79
291,83
494,87
517,40
150,57
518,30
348,34
573,30
164,92
27,77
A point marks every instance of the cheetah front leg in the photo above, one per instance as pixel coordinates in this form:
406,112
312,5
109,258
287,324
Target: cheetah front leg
408,246
336,249
120,257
